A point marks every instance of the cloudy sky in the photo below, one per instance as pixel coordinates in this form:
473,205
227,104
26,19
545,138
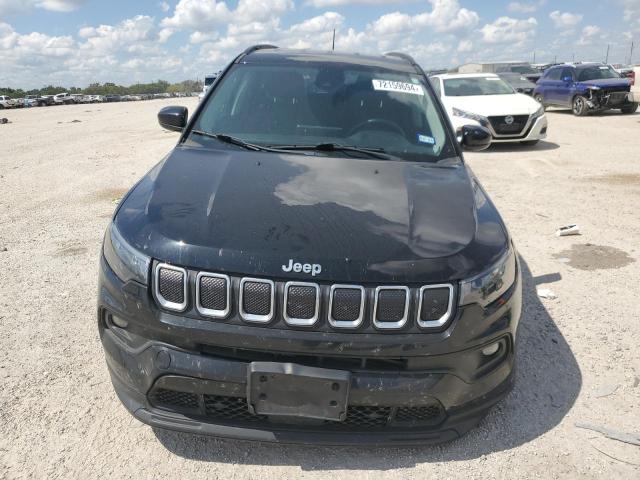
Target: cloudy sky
76,42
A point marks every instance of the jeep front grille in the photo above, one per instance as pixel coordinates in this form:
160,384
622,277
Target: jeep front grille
213,293
301,303
171,286
293,304
257,300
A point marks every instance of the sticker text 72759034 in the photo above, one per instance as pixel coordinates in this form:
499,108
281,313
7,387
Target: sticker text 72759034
400,87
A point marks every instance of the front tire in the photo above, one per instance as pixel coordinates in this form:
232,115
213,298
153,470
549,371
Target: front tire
579,106
631,108
540,99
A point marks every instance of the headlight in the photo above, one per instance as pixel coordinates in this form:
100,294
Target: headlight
538,113
472,116
124,260
491,284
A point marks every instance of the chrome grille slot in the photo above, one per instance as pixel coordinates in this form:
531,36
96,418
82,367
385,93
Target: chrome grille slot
391,308
346,306
301,303
171,286
257,299
435,305
213,294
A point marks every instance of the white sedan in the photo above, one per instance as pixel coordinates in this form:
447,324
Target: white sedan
485,99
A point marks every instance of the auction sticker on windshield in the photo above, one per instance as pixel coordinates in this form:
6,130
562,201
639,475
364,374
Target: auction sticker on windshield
400,87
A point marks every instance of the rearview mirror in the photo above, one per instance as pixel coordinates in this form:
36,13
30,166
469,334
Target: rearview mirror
173,118
474,137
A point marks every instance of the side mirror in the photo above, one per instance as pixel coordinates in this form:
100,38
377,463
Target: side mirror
474,137
173,118
520,90
567,79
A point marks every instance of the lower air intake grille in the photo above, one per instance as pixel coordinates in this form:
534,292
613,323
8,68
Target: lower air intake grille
175,399
235,411
229,408
171,285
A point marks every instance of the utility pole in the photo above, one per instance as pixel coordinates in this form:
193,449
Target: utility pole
606,59
333,43
573,58
631,54
555,59
534,56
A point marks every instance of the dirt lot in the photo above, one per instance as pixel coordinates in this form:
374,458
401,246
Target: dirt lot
62,171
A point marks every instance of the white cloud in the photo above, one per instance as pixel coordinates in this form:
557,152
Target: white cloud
322,23
60,5
14,6
164,6
201,15
446,16
565,19
525,7
509,30
588,34
337,3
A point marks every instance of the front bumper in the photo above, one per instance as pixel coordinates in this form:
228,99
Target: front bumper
162,351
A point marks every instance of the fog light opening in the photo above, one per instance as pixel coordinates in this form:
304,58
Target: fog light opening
491,349
118,322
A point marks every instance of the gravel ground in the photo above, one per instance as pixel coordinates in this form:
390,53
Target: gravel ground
62,171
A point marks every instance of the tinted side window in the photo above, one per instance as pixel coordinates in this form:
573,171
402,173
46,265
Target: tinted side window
567,72
553,74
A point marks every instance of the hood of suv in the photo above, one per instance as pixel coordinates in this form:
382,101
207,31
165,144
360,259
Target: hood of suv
495,105
361,220
616,83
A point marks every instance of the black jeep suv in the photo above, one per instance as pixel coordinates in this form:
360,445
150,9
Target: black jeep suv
313,262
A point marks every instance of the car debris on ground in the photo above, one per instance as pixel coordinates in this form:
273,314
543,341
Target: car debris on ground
546,293
567,230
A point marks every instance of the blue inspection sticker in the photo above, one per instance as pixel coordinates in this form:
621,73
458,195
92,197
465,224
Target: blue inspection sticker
426,139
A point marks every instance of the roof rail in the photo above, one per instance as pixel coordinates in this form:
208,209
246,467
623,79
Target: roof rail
262,46
404,56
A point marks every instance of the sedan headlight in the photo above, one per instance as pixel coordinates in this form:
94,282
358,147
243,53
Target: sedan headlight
492,283
538,113
484,121
124,260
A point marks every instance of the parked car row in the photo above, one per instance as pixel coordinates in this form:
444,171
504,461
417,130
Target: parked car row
65,98
512,107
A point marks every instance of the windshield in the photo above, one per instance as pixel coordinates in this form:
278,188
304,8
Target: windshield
318,103
524,69
464,87
597,73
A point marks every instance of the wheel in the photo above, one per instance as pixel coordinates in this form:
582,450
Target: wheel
538,98
631,108
579,106
530,143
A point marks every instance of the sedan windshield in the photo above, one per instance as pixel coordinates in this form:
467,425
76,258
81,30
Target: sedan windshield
327,109
597,73
464,87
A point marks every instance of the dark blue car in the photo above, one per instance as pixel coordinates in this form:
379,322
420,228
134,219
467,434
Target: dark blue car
585,88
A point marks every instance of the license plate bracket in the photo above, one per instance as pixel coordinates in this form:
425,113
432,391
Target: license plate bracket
292,390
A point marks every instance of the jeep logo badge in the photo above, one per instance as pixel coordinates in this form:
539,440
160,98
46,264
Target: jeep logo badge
313,269
508,119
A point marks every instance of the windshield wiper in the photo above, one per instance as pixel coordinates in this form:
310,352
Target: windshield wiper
234,141
378,153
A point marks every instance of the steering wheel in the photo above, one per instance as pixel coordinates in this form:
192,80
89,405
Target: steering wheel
390,126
